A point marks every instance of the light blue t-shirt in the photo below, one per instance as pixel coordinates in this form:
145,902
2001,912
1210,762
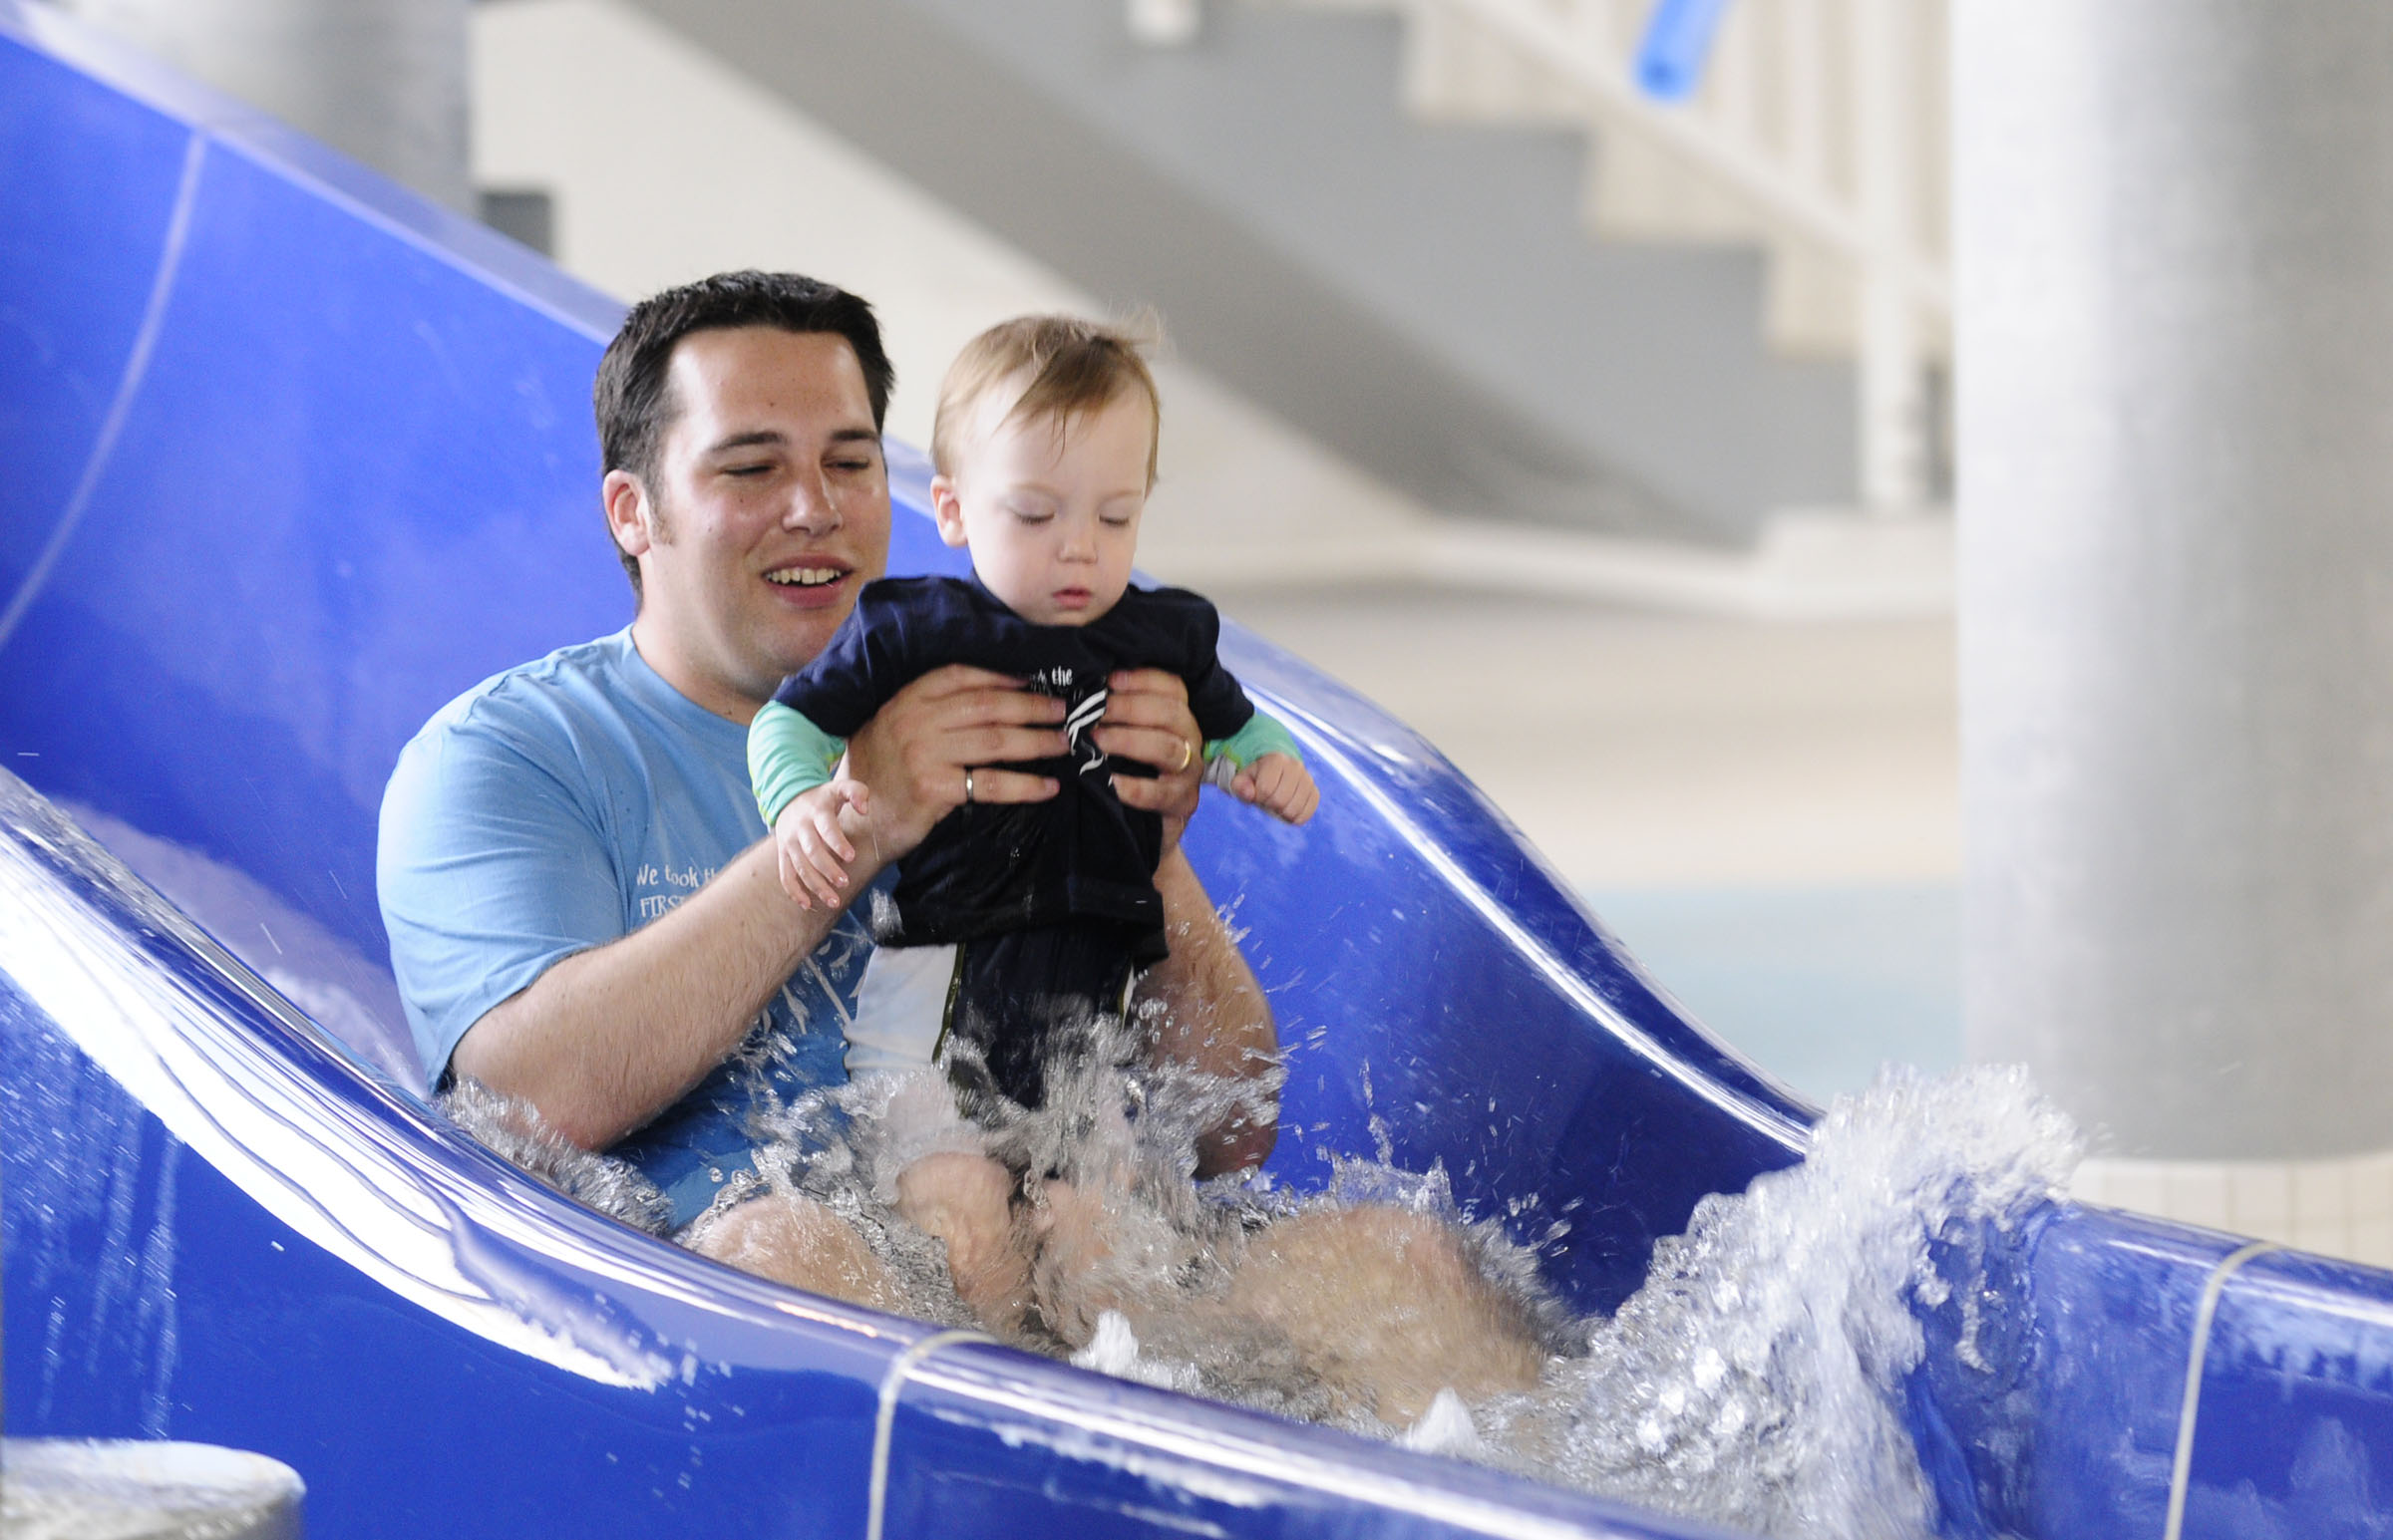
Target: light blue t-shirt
559,807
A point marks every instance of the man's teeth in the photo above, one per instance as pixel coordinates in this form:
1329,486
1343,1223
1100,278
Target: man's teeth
804,577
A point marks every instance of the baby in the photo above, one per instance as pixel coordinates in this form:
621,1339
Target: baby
1014,925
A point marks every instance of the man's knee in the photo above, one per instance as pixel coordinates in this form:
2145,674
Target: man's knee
1390,1305
800,1243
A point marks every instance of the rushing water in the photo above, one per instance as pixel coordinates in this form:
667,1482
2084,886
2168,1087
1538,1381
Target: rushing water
1755,1379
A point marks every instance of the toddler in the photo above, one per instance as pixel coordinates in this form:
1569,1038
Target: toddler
1015,924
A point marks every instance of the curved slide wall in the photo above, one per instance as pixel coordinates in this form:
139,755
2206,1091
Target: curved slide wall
292,460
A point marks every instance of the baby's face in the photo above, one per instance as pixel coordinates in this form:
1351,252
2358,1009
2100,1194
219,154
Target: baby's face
1051,512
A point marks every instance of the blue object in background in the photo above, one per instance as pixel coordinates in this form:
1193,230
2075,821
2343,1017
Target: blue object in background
1677,42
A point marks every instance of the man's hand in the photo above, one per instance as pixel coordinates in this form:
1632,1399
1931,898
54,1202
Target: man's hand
1146,719
814,850
1280,784
916,751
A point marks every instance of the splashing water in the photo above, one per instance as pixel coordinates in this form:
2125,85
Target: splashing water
1755,1380
514,1130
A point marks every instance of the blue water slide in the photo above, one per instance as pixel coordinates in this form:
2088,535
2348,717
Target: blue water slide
292,458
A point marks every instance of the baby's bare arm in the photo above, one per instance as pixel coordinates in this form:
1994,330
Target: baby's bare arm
812,838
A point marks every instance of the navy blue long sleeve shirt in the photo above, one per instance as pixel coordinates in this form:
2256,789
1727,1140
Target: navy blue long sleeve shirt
1082,854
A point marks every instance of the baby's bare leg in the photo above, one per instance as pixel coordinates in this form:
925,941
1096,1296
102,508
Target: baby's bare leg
800,1243
1388,1307
1101,1249
1074,1228
966,1200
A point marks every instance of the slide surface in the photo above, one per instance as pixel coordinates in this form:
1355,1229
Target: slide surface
294,458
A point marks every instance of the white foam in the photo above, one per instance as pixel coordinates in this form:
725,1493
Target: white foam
1445,1429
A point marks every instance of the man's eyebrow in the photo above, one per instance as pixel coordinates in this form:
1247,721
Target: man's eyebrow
748,440
854,435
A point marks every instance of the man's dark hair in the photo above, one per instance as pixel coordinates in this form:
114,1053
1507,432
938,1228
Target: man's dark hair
633,398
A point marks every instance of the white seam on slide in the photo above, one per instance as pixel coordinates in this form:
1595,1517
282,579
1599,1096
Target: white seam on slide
129,384
2181,1471
877,1497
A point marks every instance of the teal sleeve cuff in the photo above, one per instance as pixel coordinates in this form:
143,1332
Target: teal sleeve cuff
1261,736
786,756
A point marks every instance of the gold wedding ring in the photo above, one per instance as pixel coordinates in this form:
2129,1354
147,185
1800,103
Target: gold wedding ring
1187,752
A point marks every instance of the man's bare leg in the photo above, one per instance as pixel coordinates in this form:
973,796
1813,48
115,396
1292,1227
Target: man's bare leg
800,1243
966,1200
1387,1307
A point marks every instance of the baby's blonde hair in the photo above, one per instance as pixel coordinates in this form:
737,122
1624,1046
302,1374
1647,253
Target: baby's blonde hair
1073,365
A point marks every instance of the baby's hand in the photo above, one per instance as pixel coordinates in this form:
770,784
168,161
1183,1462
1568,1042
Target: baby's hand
1278,783
814,851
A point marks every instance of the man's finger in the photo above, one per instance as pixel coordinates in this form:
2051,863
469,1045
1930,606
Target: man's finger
1168,794
1005,745
990,784
994,709
1129,685
1159,747
959,694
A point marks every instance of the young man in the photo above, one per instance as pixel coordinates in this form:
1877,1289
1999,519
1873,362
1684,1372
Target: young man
584,911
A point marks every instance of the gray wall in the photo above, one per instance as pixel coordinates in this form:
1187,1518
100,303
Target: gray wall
1421,298
383,80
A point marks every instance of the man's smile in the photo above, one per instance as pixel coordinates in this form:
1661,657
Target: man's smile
810,582
805,576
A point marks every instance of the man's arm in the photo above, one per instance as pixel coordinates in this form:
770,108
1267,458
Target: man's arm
1215,1016
1214,1019
606,1039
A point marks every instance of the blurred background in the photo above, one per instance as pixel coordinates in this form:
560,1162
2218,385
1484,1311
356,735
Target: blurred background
1570,376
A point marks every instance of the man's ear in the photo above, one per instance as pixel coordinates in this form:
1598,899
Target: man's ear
947,509
628,516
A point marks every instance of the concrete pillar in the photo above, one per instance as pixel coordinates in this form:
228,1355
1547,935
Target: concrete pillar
381,80
2174,249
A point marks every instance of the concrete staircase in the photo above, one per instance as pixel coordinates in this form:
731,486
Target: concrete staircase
1421,296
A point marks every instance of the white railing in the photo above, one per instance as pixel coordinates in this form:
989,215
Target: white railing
1819,132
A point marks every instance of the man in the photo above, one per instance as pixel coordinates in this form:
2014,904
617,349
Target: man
584,911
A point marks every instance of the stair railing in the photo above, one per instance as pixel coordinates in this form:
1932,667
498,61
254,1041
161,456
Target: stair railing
1857,199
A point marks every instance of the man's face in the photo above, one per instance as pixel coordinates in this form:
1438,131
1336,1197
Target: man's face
768,511
1051,509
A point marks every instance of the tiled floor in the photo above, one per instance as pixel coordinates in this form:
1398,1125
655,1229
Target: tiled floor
2339,1208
